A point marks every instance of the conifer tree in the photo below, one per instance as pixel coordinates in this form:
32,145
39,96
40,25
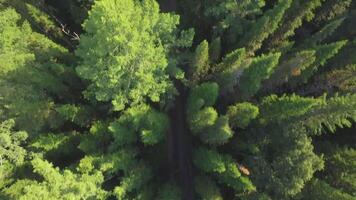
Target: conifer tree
32,74
338,179
12,153
297,12
264,26
57,185
260,69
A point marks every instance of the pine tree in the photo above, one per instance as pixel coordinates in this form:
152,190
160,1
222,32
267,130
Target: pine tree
264,26
207,189
322,54
31,75
241,114
297,12
276,109
260,69
338,178
343,79
318,189
12,153
338,111
200,65
332,9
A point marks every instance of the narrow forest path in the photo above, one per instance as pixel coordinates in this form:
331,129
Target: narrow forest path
181,149
180,137
169,6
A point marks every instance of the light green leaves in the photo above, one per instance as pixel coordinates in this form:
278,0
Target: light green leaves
124,51
10,143
141,120
241,114
57,184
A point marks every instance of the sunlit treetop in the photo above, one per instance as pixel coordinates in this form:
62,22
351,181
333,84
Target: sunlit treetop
124,51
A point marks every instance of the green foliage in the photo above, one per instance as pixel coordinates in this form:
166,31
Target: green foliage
229,9
322,54
169,191
264,26
241,114
323,33
57,184
10,144
206,188
142,119
318,189
79,115
97,139
325,52
31,64
260,69
332,9
46,143
292,165
129,33
204,94
200,63
276,109
297,12
211,161
257,196
289,68
122,160
340,168
343,79
215,49
338,111
295,167
136,174
229,69
208,160
12,152
119,114
231,61
219,133
203,119
39,19
134,180
338,180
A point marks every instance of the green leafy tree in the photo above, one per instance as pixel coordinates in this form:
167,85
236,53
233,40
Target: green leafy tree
133,47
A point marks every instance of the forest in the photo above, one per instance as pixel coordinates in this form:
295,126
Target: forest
178,100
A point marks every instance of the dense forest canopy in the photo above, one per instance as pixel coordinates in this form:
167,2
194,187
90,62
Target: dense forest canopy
178,99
